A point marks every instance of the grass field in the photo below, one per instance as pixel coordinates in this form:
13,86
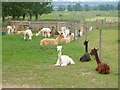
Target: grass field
27,64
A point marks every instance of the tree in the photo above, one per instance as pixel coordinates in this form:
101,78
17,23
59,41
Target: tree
77,7
61,8
17,9
70,8
87,8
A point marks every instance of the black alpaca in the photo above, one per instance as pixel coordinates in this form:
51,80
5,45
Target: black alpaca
86,56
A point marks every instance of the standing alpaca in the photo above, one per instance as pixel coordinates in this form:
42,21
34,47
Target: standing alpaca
45,32
63,60
48,41
28,34
10,30
86,56
102,68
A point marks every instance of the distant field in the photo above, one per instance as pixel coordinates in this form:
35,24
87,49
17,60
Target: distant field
79,15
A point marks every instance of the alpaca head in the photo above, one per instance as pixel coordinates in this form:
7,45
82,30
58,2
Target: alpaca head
59,48
86,42
93,51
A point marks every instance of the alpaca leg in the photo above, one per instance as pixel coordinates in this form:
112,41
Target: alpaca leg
30,37
63,65
24,37
58,63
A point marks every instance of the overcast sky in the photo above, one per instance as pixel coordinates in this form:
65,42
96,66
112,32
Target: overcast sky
86,0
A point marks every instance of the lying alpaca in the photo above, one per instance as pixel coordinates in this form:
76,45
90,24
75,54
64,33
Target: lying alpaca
102,68
86,56
63,60
65,40
28,34
48,41
20,32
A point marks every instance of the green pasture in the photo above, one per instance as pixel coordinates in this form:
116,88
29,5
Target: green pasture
78,15
27,64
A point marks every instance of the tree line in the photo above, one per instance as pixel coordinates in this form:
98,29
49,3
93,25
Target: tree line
79,7
18,9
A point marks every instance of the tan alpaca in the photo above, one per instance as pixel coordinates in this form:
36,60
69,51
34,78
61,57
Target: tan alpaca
48,41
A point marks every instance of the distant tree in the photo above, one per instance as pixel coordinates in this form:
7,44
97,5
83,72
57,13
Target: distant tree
77,7
61,8
87,8
69,8
102,7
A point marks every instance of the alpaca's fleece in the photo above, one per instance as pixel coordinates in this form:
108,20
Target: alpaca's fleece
63,60
20,32
47,41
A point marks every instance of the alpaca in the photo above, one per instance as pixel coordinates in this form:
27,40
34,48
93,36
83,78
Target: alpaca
52,33
10,30
63,60
20,32
45,32
102,68
28,34
86,56
48,41
81,31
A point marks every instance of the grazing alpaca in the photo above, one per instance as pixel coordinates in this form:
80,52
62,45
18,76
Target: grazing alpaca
86,56
48,41
45,32
102,68
63,60
28,34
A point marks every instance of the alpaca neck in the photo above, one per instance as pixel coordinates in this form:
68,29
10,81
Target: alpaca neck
86,47
58,38
97,58
59,56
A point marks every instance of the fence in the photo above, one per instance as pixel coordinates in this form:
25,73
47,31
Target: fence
47,24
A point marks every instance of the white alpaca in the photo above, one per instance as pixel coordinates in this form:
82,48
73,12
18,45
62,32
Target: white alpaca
63,60
10,29
45,32
81,31
28,33
76,34
67,32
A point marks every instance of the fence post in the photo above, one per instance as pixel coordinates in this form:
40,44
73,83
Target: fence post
100,43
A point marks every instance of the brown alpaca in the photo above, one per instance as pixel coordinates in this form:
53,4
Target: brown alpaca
48,41
53,30
102,68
